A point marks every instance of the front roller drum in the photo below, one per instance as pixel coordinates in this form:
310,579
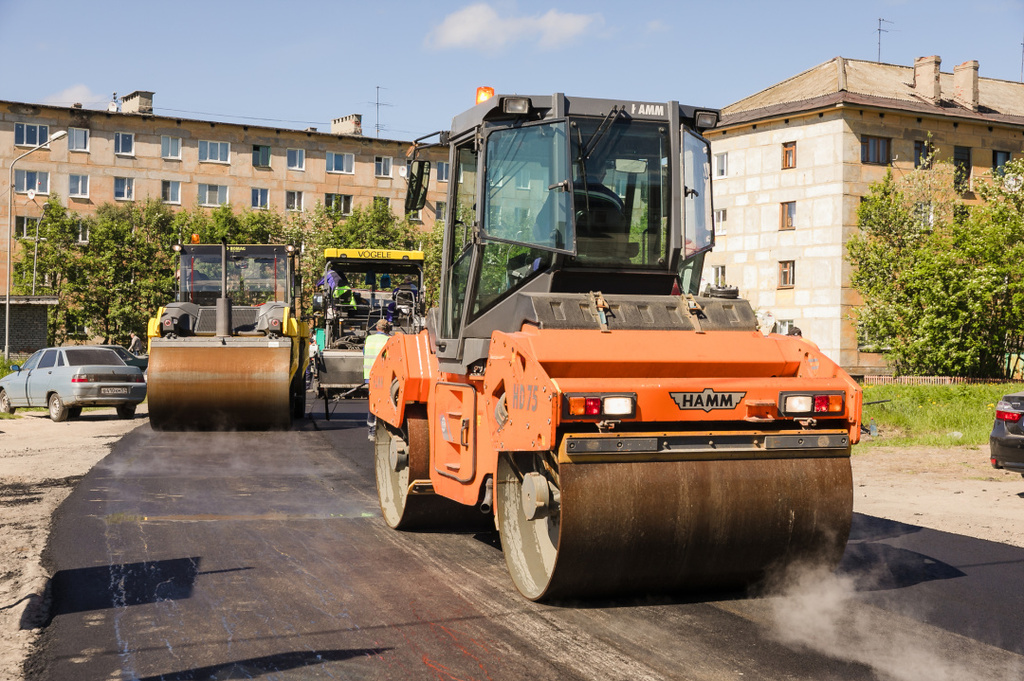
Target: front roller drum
219,387
407,501
610,529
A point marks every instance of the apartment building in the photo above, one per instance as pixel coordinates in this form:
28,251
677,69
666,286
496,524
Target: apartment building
127,153
791,163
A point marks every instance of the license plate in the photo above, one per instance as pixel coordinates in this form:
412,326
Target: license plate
113,391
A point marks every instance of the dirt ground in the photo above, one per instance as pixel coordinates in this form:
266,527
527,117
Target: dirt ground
954,490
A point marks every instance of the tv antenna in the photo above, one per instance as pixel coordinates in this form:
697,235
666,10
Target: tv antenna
880,32
378,104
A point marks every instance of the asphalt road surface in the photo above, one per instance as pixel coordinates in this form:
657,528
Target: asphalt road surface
263,555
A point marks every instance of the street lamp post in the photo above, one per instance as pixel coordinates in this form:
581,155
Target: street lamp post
10,238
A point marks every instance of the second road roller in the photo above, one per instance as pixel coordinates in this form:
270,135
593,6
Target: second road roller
231,352
630,429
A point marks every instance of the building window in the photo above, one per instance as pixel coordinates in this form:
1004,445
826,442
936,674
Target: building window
293,200
340,203
923,151
788,155
442,171
787,273
260,198
25,228
999,159
382,201
296,159
721,165
78,139
34,180
876,150
382,166
962,169
213,195
214,152
124,143
170,191
720,216
784,326
718,276
439,210
415,215
523,179
83,232
170,147
29,135
124,188
260,156
340,163
78,186
787,215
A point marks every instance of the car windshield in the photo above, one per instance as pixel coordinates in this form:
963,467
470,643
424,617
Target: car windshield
252,280
85,356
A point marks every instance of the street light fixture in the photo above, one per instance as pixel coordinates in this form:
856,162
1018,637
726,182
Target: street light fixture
10,237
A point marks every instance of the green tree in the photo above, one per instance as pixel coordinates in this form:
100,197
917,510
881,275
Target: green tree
942,285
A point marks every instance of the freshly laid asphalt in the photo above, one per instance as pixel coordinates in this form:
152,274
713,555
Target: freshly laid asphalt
263,555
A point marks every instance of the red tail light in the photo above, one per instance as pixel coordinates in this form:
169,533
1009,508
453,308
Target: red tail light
82,378
1012,416
593,406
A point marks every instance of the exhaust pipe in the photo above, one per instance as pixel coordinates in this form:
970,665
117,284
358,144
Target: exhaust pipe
486,504
223,303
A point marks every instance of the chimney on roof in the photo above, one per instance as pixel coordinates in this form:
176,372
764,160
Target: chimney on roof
348,125
926,78
965,84
140,102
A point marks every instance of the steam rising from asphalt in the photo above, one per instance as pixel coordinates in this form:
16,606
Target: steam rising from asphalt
817,610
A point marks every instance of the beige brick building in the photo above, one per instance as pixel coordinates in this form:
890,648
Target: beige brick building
791,163
131,154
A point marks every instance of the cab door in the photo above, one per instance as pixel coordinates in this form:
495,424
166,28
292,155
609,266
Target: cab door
453,441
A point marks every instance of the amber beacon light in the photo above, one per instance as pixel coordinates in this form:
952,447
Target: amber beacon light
483,94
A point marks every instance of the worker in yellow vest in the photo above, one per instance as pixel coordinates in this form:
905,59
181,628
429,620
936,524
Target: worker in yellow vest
374,344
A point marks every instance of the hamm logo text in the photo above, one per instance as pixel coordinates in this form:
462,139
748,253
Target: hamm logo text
707,400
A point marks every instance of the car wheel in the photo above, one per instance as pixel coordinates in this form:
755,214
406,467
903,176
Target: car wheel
74,412
126,411
5,403
58,412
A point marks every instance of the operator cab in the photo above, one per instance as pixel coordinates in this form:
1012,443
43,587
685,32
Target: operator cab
559,195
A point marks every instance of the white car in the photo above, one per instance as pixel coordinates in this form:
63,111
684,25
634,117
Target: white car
66,379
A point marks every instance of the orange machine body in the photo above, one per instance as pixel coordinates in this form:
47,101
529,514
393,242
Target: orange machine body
684,384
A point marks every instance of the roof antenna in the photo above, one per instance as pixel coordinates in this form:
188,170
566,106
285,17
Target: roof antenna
880,32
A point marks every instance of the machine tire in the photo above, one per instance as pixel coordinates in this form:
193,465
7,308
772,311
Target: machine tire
126,411
74,412
58,412
530,546
5,403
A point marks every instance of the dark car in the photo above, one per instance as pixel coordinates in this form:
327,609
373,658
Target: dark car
141,361
66,379
1006,443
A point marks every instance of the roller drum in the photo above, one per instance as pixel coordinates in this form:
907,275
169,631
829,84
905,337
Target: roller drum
220,384
655,527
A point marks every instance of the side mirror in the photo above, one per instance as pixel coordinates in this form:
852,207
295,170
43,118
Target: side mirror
15,367
416,191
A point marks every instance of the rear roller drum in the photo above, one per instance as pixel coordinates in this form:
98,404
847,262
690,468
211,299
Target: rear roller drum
400,458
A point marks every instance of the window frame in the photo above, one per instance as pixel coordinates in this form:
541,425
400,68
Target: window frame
963,169
79,193
381,200
718,276
172,185
379,163
923,151
997,167
446,166
259,198
300,159
21,181
73,134
166,142
128,193
261,156
221,146
21,229
866,146
348,160
787,216
293,200
123,139
789,155
204,195
787,274
721,164
42,132
342,199
719,222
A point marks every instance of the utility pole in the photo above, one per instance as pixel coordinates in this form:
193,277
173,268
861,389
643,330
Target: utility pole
880,32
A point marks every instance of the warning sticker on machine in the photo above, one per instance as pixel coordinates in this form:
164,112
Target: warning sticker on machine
707,400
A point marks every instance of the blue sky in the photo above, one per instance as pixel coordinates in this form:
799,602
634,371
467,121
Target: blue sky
300,64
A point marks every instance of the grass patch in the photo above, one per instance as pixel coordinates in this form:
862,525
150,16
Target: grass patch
932,415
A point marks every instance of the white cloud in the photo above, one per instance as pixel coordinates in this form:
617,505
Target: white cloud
80,94
657,26
479,27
